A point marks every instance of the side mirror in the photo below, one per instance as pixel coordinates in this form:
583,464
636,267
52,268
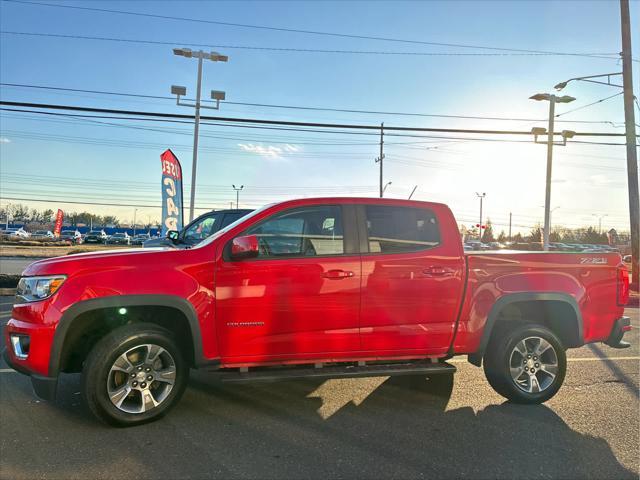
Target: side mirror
173,235
244,247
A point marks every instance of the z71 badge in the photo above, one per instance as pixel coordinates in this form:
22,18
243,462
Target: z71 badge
593,260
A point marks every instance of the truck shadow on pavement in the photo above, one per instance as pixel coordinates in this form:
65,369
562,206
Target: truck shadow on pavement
365,428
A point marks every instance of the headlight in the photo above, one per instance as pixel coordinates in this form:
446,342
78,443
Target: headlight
32,289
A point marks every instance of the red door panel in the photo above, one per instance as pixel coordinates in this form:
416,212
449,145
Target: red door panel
284,308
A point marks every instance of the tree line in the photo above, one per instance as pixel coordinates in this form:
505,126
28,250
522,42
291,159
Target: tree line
18,213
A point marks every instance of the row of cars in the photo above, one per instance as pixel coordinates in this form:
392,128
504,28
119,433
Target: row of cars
476,245
74,236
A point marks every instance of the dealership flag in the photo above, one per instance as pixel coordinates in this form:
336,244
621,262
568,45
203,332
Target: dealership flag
171,192
58,225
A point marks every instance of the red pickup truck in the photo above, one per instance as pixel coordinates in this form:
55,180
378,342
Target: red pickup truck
333,287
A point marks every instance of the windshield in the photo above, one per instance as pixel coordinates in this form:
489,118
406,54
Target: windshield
41,232
118,234
95,232
207,241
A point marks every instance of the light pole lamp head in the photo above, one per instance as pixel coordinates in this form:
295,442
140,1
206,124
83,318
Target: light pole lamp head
218,95
561,85
540,96
183,52
216,57
567,134
565,99
538,131
178,90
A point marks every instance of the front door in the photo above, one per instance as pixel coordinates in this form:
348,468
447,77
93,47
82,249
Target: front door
412,281
299,298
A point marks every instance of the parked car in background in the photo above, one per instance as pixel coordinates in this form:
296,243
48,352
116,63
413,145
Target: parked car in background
140,238
17,233
200,228
119,239
627,259
73,236
42,235
96,236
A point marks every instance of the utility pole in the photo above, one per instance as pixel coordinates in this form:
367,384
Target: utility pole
237,189
510,216
381,158
481,197
632,153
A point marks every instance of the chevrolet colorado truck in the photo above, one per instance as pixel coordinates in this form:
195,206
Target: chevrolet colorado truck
324,288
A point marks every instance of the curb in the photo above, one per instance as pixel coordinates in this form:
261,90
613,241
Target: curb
7,291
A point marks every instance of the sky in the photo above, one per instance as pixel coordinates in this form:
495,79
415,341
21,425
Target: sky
64,159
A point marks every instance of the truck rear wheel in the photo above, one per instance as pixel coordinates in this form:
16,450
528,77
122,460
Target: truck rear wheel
134,375
526,365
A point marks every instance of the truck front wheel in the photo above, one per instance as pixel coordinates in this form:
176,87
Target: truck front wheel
525,365
134,375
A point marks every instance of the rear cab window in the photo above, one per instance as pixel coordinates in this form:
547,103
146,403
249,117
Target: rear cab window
396,229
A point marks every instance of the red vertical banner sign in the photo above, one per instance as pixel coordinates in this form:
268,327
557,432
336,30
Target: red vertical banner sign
58,224
171,192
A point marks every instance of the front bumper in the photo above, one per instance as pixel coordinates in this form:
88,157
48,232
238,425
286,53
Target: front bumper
44,387
620,326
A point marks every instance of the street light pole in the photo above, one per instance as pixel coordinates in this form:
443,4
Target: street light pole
196,129
547,195
481,197
384,189
237,189
215,95
599,217
135,210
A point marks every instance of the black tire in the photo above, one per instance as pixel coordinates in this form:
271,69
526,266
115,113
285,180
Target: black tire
498,360
97,372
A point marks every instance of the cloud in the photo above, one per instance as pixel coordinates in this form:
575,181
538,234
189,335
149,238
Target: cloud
4,140
269,151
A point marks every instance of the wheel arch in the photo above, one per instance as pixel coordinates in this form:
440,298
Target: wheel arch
77,313
557,310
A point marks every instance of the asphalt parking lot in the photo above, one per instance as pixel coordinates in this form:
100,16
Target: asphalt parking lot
349,428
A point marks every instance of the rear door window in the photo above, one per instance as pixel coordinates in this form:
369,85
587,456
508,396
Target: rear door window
401,229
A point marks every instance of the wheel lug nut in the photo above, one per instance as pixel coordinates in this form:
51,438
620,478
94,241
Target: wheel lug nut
537,365
133,375
135,384
529,356
149,377
143,385
139,369
535,358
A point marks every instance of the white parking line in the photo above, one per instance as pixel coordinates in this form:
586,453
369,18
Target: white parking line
7,370
586,359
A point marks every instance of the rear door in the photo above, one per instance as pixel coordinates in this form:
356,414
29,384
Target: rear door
412,279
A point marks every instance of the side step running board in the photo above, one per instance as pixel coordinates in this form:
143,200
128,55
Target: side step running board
348,371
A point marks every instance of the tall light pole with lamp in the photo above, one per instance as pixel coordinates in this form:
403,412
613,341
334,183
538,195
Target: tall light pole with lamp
384,189
237,189
481,197
547,197
215,95
599,217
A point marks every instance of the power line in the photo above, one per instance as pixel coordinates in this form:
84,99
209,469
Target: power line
287,123
298,107
589,104
288,49
315,32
